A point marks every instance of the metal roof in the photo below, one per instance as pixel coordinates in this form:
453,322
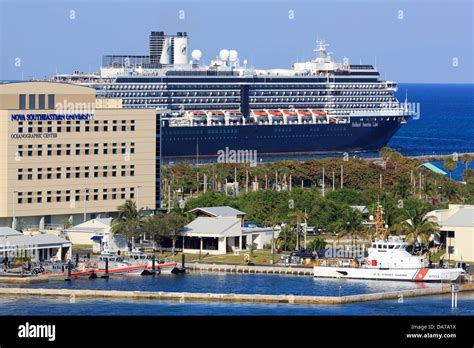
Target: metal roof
433,168
361,208
37,240
224,211
462,218
8,231
213,227
85,229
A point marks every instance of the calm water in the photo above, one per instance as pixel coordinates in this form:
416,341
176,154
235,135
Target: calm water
446,123
231,283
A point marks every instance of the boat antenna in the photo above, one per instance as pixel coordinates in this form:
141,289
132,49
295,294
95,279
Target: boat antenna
381,232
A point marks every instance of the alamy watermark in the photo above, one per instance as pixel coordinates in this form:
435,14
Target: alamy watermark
228,155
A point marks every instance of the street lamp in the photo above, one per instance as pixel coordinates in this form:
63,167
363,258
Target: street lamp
13,209
85,200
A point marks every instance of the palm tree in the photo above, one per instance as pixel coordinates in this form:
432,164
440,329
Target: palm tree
416,224
351,225
128,222
466,159
174,223
450,165
317,244
450,191
402,188
298,215
428,188
156,229
385,152
287,238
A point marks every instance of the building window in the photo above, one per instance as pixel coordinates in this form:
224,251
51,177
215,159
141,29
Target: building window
41,101
51,101
32,101
22,101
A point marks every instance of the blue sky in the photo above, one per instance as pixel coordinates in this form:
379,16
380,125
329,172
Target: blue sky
422,43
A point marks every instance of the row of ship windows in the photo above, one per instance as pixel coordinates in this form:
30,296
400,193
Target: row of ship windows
76,172
324,99
172,87
98,126
286,136
237,93
79,149
75,195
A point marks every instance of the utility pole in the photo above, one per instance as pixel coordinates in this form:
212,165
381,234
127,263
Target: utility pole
380,180
169,196
13,210
323,186
235,182
342,176
333,179
420,185
246,181
290,182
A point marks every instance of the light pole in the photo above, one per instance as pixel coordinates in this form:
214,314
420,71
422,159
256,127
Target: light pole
85,199
13,209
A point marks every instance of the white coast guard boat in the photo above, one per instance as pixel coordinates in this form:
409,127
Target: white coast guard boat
387,260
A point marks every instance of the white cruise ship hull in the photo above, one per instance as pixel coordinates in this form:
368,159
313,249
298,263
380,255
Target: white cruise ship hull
416,275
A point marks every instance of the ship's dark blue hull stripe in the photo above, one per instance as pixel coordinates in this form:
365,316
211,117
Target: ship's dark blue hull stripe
358,135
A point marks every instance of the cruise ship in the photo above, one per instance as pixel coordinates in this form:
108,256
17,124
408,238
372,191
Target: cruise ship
318,106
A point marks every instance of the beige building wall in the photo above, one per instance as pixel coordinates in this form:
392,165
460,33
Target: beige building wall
48,167
463,243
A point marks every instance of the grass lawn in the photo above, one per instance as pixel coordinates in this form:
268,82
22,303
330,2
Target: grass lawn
263,257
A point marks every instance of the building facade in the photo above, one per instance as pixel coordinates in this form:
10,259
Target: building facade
66,155
457,231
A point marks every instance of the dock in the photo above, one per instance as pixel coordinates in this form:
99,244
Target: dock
183,297
18,279
229,268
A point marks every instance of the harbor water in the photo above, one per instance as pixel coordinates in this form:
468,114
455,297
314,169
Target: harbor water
232,283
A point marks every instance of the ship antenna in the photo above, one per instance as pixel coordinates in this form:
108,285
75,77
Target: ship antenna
381,232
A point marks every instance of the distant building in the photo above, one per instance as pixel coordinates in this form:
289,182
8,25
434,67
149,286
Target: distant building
97,234
220,230
38,247
457,231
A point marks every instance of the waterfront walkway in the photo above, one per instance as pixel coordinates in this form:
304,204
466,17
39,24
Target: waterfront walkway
245,298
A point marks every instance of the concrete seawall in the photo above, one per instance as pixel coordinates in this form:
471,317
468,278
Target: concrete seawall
243,298
228,268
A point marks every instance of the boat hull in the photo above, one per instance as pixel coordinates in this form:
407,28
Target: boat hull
415,275
361,134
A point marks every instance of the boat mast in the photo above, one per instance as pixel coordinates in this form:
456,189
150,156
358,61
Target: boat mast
381,232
